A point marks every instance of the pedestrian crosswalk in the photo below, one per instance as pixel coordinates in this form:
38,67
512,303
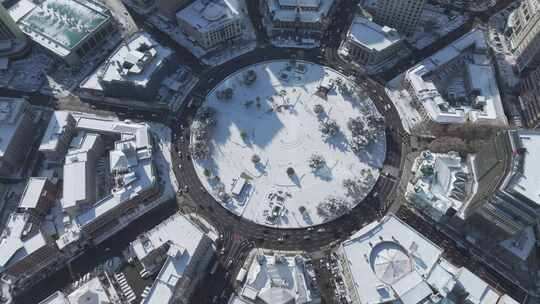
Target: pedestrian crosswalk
145,293
144,274
125,288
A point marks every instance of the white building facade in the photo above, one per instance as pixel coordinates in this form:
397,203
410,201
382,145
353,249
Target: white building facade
368,43
212,23
57,138
302,21
523,32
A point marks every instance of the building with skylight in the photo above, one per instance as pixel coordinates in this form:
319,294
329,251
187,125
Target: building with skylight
388,261
69,29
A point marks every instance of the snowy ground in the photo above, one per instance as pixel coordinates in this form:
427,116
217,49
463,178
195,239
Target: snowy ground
281,127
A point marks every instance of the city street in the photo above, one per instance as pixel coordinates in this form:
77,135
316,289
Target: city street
239,235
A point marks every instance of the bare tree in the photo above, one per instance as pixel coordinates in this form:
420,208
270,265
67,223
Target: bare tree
316,161
329,128
333,207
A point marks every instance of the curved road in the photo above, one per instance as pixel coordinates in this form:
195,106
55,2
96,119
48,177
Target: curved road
308,239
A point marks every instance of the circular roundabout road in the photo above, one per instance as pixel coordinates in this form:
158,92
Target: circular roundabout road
266,117
288,144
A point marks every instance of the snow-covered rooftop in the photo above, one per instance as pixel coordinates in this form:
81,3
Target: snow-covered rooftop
78,168
282,129
131,166
209,15
371,35
384,253
139,173
169,276
479,291
527,183
308,10
91,292
55,130
32,192
134,62
184,239
389,261
440,182
178,230
11,114
15,241
278,278
59,25
472,49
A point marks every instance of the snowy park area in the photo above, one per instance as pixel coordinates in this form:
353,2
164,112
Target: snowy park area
288,144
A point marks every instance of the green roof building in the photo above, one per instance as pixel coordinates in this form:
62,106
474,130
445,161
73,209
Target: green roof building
67,28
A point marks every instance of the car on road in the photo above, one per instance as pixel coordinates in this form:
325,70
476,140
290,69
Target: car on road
214,268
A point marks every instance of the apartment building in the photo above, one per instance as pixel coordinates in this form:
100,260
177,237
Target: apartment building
212,23
523,33
403,15
16,133
368,43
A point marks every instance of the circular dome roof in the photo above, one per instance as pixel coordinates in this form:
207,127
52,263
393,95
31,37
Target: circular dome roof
390,261
213,12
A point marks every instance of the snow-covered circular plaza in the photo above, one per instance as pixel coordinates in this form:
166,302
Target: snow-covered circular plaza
288,144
